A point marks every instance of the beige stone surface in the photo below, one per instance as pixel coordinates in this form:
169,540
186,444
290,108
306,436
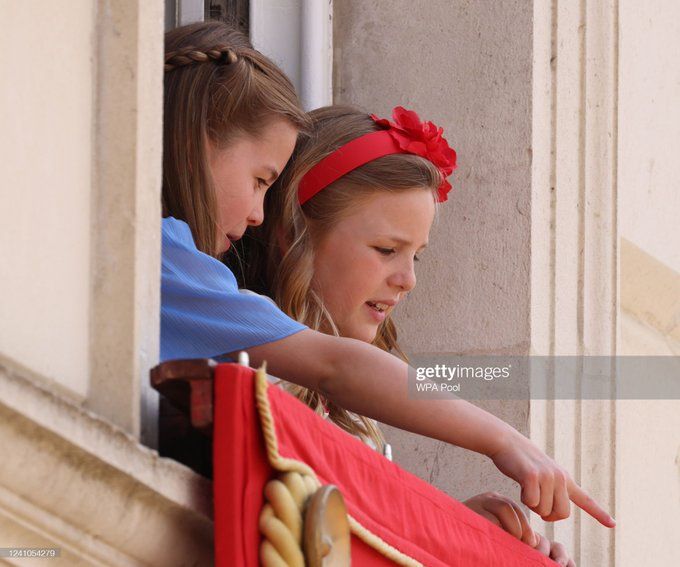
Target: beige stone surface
124,283
650,291
46,120
569,250
648,431
647,462
75,481
81,176
649,169
80,112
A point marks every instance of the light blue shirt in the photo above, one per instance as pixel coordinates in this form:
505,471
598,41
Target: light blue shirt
203,315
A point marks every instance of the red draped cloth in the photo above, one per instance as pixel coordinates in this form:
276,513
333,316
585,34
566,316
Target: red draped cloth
403,510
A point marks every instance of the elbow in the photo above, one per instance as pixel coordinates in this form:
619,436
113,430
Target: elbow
327,383
333,379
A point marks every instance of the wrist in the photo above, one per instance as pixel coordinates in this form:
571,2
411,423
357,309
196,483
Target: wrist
505,438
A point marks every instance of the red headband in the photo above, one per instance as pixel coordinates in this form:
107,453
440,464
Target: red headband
406,135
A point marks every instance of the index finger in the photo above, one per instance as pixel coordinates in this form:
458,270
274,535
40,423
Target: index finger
581,499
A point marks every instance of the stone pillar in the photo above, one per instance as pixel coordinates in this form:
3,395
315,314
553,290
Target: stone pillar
574,244
125,290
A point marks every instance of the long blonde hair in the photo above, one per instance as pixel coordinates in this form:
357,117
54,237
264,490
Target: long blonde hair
281,252
216,87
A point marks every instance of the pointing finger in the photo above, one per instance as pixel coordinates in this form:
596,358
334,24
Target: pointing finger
579,497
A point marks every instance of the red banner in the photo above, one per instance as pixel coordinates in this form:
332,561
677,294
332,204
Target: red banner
401,509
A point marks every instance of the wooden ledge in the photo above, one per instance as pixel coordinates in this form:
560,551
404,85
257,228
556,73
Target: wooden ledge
188,385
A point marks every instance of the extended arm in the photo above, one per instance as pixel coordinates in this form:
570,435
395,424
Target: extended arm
371,382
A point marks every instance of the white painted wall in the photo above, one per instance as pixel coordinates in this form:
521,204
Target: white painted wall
46,108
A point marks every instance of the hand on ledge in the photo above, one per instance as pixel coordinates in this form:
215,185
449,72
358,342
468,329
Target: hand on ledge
506,513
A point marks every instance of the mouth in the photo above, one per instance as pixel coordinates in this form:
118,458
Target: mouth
378,306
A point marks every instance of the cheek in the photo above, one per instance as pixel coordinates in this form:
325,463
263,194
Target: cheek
332,283
233,210
334,278
351,279
226,218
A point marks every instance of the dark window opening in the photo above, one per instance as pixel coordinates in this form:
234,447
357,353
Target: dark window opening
236,12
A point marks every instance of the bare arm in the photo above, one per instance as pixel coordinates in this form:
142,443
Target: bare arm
371,382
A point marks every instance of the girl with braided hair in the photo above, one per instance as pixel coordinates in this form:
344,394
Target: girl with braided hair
231,122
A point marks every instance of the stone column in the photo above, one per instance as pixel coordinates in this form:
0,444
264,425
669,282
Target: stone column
574,244
125,290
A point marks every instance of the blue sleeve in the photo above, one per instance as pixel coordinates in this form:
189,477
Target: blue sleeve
202,312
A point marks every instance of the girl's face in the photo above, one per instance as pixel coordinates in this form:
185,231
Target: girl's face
242,172
364,265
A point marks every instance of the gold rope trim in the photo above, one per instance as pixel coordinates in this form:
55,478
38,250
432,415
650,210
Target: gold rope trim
283,464
281,519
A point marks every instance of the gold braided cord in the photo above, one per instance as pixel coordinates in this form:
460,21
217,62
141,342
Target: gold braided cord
284,464
279,540
281,520
284,507
269,557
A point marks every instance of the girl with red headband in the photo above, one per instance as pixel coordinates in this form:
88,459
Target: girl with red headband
346,222
231,120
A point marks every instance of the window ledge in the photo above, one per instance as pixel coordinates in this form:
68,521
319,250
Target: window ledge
72,480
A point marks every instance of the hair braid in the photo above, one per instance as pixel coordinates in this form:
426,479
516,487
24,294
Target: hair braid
192,55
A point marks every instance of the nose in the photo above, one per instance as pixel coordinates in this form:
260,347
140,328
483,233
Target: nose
256,216
404,277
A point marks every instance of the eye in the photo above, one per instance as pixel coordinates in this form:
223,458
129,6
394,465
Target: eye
415,258
385,251
261,183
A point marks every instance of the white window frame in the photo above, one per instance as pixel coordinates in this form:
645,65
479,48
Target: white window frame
308,58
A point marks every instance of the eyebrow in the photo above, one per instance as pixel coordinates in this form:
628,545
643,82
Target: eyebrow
401,240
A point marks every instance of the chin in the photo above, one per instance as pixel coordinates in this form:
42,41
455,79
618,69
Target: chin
365,334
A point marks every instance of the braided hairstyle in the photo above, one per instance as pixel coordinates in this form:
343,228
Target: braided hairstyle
189,55
217,86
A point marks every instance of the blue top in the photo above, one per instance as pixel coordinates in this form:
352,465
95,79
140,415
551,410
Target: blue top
203,315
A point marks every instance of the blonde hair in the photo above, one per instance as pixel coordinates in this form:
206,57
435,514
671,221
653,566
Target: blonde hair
216,87
288,275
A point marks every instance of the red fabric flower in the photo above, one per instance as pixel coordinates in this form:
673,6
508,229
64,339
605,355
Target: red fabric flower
423,139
